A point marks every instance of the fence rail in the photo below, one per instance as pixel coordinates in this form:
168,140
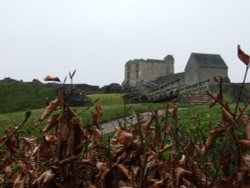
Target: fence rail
196,88
173,86
174,89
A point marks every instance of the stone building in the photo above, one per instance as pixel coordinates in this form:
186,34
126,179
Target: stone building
140,70
200,67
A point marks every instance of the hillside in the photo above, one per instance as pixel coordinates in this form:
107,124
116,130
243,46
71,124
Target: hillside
22,96
19,96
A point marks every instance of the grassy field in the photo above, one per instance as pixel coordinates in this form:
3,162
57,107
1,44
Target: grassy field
112,104
107,99
110,112
113,108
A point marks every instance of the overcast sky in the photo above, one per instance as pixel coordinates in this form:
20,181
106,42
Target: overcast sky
97,37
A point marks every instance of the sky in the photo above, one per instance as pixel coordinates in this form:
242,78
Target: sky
97,37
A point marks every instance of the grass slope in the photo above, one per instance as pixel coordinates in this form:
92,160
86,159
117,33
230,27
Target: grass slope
19,97
107,99
113,108
112,104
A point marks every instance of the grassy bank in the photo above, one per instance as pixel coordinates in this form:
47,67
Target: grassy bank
19,97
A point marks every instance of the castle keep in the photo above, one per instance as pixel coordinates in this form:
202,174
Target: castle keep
200,67
140,70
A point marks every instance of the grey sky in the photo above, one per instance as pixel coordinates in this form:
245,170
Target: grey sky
97,37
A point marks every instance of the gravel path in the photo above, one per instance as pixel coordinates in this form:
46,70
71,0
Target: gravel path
110,126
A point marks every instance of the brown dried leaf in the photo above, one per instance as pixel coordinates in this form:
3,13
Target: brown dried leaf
158,184
103,170
166,147
76,136
22,180
229,117
225,164
217,79
244,143
183,159
8,170
175,109
123,137
135,170
168,127
53,121
180,172
246,159
77,122
117,176
71,142
245,58
148,124
212,136
2,138
43,150
97,136
245,121
44,179
63,129
124,171
224,123
28,145
69,113
50,78
97,116
12,143
199,178
51,108
50,138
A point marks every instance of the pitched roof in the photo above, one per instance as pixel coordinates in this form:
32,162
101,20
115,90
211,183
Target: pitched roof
208,60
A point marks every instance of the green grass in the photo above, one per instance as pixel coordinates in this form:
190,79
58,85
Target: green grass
20,97
199,115
107,99
113,108
189,116
15,118
110,112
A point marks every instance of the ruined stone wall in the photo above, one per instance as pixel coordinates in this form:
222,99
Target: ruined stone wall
151,71
191,75
209,73
147,70
195,75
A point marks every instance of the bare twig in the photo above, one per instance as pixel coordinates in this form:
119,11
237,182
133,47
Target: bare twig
241,90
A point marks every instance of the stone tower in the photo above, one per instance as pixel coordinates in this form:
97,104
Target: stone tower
140,70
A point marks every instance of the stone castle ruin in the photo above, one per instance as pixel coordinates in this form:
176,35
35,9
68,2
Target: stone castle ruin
137,71
157,78
200,67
